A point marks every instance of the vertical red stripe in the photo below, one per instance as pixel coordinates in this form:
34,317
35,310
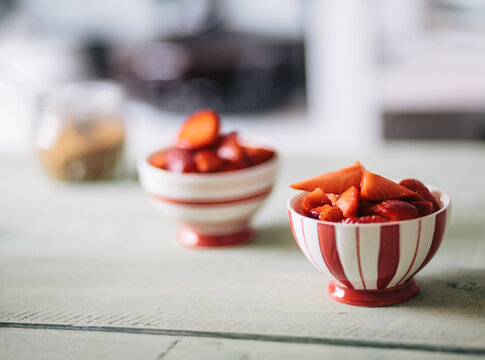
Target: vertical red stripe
357,244
293,231
439,231
415,253
388,260
328,247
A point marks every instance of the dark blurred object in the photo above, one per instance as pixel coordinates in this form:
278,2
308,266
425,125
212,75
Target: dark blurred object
225,71
434,126
97,53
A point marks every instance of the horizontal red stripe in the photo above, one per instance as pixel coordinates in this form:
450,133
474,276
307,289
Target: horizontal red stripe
260,194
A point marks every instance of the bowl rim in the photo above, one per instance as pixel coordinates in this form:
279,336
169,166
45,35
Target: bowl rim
444,197
143,162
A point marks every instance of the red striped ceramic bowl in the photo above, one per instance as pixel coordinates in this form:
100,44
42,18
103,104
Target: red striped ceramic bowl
213,209
371,264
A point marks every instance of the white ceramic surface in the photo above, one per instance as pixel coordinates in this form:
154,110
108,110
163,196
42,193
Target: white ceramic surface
211,204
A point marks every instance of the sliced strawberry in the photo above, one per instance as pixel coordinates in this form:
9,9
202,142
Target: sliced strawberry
328,213
179,160
377,188
257,156
366,207
424,207
201,129
159,159
333,198
206,161
348,202
370,219
312,200
421,189
229,149
396,210
333,182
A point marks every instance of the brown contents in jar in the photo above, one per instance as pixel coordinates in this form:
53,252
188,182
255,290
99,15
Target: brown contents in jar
86,151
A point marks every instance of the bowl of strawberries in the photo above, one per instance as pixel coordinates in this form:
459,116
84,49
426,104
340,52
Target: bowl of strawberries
211,183
369,233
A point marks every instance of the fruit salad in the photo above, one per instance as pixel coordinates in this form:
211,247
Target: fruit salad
355,195
201,148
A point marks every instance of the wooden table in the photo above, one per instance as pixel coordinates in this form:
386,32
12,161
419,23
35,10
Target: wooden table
93,270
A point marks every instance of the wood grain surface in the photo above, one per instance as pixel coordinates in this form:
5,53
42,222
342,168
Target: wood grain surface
98,256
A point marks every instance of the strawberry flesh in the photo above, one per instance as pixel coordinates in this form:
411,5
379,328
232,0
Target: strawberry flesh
396,210
257,156
424,207
180,160
369,219
348,202
313,200
207,161
377,188
200,130
328,213
230,150
333,182
418,187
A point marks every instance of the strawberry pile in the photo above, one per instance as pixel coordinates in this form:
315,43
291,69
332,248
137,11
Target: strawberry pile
355,195
200,148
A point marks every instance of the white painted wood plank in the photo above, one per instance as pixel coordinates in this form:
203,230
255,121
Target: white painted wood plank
19,344
99,254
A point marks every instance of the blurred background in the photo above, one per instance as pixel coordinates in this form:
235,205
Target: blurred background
302,76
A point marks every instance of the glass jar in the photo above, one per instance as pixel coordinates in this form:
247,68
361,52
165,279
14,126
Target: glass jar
80,133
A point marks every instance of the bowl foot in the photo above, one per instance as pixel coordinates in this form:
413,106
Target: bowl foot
190,237
372,298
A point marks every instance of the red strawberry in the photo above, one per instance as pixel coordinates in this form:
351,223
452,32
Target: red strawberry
179,160
333,182
396,210
257,156
328,213
421,189
201,129
348,202
229,149
207,161
312,200
377,188
366,207
159,159
370,219
333,198
424,207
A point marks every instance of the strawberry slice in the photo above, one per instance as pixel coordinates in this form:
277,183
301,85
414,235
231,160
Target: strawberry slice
229,149
159,159
377,188
201,129
257,156
206,161
421,189
333,182
179,160
312,200
396,210
369,219
328,213
333,197
424,207
348,202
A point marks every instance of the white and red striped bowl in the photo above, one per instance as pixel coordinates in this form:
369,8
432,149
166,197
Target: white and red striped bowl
213,209
371,264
